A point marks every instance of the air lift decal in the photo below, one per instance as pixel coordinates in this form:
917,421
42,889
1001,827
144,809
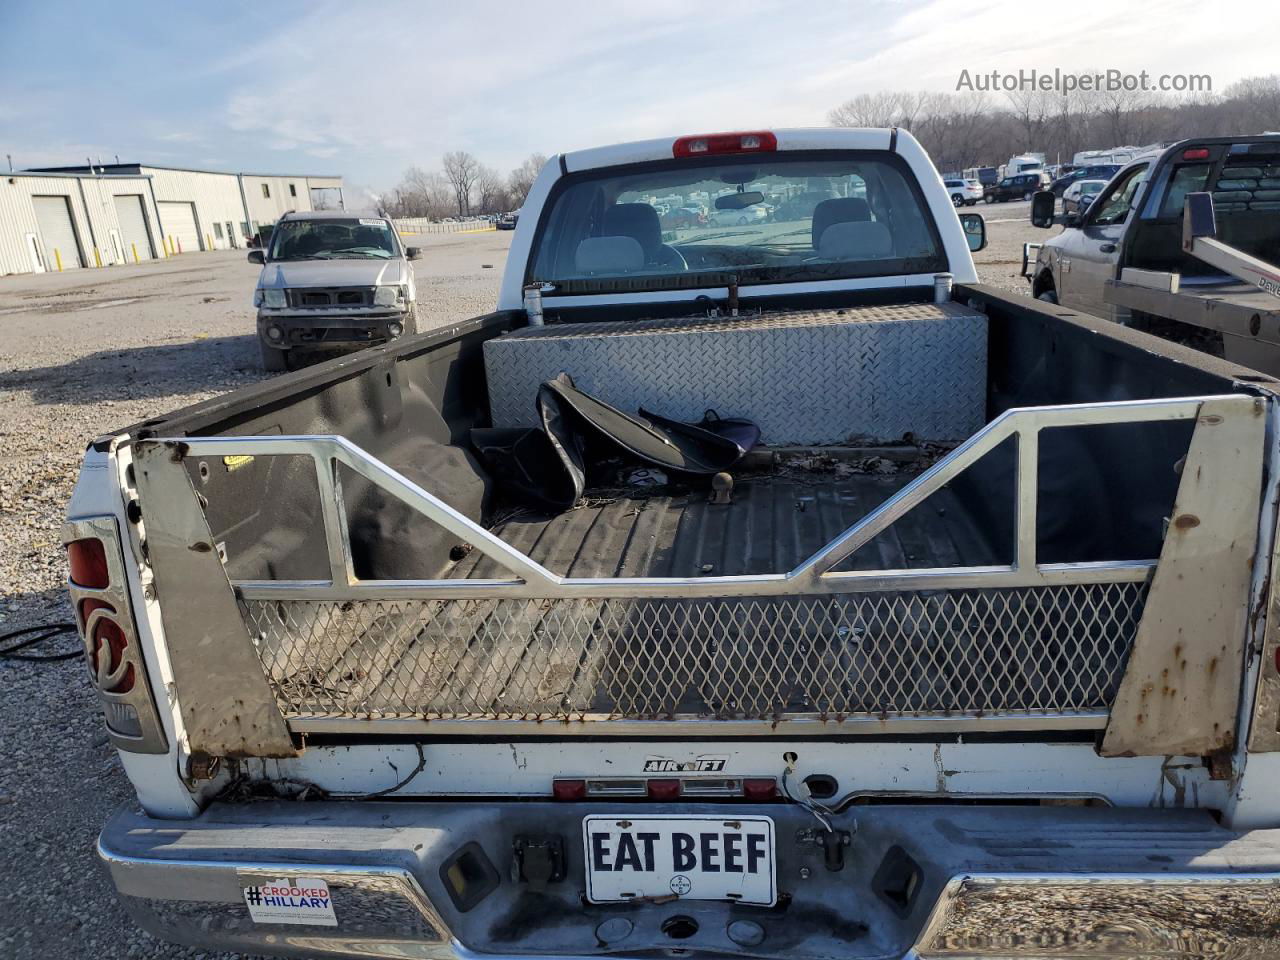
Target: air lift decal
301,900
705,764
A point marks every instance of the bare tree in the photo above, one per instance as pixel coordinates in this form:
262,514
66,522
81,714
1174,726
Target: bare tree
462,171
868,110
1031,108
521,179
491,192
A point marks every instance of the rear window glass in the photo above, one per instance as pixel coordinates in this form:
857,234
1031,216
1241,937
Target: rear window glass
694,222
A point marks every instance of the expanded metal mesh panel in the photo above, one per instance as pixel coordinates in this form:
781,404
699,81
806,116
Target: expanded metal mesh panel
960,652
805,377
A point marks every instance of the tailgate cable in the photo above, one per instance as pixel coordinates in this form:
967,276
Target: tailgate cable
821,813
45,631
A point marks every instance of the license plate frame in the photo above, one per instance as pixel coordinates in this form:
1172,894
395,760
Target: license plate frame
663,871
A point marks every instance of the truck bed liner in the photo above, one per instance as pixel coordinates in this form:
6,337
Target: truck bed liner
772,525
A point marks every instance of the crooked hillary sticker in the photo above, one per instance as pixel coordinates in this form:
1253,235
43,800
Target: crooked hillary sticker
303,900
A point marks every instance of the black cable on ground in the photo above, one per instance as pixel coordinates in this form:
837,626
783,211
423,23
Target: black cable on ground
45,631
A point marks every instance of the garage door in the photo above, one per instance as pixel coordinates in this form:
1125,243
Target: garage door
57,232
178,220
133,226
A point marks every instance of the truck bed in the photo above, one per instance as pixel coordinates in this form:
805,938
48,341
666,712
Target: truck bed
772,525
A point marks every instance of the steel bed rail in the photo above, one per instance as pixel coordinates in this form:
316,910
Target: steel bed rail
811,577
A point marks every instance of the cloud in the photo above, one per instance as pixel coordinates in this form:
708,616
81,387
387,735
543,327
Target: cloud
375,89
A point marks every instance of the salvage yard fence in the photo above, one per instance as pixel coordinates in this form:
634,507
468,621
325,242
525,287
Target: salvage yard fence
411,226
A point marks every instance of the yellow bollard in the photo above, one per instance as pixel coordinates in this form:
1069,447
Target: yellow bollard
208,242
135,252
97,257
58,257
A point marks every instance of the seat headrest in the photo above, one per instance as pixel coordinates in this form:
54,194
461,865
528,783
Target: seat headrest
636,220
609,256
837,210
856,240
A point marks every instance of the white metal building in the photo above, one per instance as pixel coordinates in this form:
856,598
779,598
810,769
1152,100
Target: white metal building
75,217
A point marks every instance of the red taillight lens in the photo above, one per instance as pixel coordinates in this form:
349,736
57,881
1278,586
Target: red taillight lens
760,788
88,560
664,789
1196,153
106,648
569,789
761,141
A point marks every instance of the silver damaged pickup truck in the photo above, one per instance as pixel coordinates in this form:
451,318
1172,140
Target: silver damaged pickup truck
332,279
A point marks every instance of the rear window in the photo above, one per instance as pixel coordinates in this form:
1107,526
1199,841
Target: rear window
694,222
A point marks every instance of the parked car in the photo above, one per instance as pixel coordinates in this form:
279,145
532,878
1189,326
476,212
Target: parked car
963,193
755,213
1097,171
1079,195
332,279
508,220
1018,699
682,218
801,206
1018,187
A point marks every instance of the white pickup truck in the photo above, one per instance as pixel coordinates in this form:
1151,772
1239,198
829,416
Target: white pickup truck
972,652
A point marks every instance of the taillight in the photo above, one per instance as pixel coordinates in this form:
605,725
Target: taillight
106,648
761,141
1196,153
569,789
99,589
760,788
88,561
663,789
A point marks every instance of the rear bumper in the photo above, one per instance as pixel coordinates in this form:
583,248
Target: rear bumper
1004,881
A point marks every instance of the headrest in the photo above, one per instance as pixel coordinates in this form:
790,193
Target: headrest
856,240
609,256
837,210
636,220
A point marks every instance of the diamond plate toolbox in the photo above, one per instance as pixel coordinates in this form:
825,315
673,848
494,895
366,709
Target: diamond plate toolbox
805,377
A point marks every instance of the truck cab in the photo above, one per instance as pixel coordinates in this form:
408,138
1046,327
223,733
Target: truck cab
332,279
1131,236
769,589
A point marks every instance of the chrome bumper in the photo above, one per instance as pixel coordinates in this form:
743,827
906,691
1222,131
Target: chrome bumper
1030,254
992,882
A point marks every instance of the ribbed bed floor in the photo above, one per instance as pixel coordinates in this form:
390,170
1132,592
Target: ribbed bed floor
771,526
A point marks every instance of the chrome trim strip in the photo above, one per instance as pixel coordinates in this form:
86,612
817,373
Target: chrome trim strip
793,724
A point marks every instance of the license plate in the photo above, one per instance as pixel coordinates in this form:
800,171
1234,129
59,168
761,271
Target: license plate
694,858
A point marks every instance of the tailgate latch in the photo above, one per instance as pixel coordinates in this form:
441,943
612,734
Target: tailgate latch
538,861
832,842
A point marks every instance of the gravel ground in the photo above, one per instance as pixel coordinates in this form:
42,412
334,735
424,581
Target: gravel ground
88,351
82,353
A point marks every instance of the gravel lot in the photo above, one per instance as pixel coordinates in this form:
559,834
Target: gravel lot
82,353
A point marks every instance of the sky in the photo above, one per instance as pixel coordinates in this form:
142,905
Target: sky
367,89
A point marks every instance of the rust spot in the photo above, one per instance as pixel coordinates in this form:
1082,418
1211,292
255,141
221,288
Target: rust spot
1141,718
1177,649
1213,664
200,547
1210,419
1183,665
1186,521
